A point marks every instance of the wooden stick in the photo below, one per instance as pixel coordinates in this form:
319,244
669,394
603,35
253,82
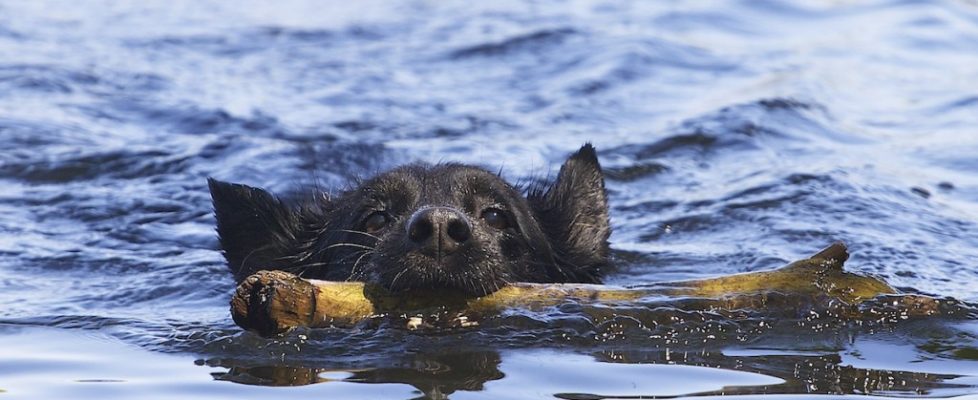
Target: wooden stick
272,302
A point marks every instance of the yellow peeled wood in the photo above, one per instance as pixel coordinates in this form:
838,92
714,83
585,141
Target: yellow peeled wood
271,302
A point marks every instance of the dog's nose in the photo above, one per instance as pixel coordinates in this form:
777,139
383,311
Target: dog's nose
440,230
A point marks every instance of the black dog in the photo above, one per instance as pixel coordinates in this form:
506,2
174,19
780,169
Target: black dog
421,226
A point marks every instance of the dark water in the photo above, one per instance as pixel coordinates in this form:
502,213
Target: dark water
736,136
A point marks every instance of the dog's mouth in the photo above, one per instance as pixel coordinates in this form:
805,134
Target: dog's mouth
438,276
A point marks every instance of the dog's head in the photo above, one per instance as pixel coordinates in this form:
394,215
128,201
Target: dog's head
444,226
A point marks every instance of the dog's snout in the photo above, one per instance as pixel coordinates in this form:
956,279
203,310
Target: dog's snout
438,230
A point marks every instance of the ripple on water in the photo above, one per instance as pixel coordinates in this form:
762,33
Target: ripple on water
117,164
527,43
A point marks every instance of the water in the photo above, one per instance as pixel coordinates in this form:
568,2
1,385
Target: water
736,136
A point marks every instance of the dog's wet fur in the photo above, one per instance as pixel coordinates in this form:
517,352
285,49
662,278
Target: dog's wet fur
430,227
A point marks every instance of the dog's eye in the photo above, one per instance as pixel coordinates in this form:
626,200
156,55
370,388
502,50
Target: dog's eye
376,221
496,218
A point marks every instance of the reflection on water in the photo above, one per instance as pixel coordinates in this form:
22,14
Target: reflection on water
430,373
736,136
817,371
881,350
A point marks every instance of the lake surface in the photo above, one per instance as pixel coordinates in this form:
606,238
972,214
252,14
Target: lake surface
736,136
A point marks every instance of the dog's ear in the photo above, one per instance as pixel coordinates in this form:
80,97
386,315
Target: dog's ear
573,212
257,230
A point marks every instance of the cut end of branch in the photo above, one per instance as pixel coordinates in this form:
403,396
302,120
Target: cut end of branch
273,302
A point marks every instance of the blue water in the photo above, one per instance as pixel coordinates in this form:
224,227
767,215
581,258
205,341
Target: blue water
736,136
